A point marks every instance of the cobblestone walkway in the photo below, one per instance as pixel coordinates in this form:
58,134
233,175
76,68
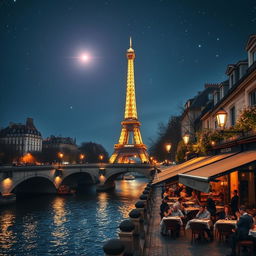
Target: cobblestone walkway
157,245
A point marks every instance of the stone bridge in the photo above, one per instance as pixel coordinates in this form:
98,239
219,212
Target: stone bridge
48,178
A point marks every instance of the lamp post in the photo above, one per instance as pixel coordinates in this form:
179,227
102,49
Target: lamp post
60,155
168,147
81,157
186,138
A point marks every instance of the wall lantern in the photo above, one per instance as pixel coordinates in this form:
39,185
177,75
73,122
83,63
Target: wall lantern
168,147
221,117
186,138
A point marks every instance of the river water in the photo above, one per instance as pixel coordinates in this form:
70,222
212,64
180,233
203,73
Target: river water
66,225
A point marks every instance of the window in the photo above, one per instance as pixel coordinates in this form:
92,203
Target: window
254,56
232,116
252,98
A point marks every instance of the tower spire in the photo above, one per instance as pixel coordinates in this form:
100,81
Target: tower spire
130,143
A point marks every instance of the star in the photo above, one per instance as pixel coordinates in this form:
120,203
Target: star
218,39
199,46
217,55
71,107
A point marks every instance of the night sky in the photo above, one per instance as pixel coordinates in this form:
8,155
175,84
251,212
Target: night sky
179,45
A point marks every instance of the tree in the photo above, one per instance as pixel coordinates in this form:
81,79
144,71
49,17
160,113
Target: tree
167,133
93,151
8,154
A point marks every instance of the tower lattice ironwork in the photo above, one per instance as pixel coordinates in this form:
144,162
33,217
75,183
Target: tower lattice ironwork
130,145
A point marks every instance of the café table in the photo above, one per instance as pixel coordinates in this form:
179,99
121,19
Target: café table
175,218
252,232
163,227
206,222
190,209
224,227
226,222
190,203
173,199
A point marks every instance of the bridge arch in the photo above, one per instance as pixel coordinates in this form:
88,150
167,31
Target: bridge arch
112,174
78,180
34,184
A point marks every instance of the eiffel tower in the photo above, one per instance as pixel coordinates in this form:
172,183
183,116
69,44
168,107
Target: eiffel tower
130,145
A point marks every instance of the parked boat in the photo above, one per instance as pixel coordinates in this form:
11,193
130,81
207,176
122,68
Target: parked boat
129,177
7,199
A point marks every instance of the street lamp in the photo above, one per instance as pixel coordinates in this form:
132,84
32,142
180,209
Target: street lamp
186,138
60,155
221,117
81,157
101,157
168,147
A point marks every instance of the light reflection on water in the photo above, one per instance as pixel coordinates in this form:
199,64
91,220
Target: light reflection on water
66,225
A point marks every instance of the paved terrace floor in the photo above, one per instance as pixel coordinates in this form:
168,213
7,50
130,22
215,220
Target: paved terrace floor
158,245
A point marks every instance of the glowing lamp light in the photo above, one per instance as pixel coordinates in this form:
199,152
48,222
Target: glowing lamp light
168,147
82,156
60,155
221,117
186,138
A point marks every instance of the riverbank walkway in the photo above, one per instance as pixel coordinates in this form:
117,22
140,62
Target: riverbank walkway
158,245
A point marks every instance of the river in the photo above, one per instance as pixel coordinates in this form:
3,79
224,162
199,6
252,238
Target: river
66,225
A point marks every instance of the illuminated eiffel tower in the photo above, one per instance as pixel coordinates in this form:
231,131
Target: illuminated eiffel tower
130,145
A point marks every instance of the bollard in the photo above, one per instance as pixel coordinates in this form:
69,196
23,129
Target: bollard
114,247
126,236
138,231
140,205
135,218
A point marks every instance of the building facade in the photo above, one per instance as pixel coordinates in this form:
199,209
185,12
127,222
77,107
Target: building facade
238,92
54,146
22,138
190,121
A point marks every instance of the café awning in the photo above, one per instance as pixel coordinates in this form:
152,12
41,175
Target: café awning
200,178
172,172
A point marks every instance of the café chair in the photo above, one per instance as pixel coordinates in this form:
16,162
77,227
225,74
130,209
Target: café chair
223,231
196,229
245,243
173,226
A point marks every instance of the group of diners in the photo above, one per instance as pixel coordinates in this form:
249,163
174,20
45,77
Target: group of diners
190,213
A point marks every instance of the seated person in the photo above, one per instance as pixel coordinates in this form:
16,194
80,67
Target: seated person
244,224
204,214
194,198
174,212
225,214
210,205
179,204
163,207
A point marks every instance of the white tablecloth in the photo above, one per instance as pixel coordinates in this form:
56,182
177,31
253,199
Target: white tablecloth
178,219
207,223
228,222
252,232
